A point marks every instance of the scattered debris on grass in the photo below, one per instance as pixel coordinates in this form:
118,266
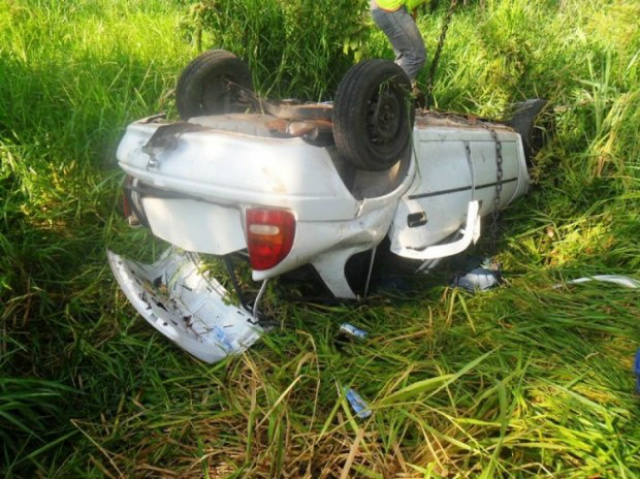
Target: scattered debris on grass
482,277
350,331
359,405
608,278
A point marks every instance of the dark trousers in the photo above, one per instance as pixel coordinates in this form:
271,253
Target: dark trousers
402,31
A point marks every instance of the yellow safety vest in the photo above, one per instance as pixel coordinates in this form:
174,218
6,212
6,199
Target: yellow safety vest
393,5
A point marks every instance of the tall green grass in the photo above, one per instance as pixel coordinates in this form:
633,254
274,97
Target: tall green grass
525,381
295,48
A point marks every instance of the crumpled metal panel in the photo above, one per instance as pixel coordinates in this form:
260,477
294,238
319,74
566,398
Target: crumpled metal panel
186,305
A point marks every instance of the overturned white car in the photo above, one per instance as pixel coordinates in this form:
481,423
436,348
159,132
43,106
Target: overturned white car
286,185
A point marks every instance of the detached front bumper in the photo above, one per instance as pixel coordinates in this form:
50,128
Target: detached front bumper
186,305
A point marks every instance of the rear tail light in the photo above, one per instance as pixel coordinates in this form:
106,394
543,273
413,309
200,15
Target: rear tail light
270,236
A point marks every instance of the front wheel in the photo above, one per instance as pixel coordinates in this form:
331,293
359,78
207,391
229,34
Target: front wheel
373,115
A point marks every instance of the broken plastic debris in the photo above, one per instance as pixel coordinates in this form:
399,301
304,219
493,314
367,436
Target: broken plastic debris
351,330
608,278
185,304
486,276
358,404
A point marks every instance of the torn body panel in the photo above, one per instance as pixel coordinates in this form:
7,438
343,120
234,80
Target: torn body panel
186,305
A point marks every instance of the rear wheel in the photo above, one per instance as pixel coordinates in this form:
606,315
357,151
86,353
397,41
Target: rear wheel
373,115
215,82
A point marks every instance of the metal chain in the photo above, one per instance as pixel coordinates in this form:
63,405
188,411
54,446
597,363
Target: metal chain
497,199
436,56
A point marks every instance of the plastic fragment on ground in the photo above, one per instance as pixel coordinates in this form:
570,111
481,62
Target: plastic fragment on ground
359,405
351,331
178,298
481,278
607,278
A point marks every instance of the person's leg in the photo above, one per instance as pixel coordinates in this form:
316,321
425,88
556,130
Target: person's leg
402,31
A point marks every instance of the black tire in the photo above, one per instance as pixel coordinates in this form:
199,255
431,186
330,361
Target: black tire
215,82
533,120
373,115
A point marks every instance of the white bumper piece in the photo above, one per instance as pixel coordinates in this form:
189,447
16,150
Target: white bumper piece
184,304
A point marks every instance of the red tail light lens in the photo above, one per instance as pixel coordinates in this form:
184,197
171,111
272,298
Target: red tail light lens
270,236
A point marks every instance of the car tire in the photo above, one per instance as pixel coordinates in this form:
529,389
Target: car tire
216,82
533,120
373,115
